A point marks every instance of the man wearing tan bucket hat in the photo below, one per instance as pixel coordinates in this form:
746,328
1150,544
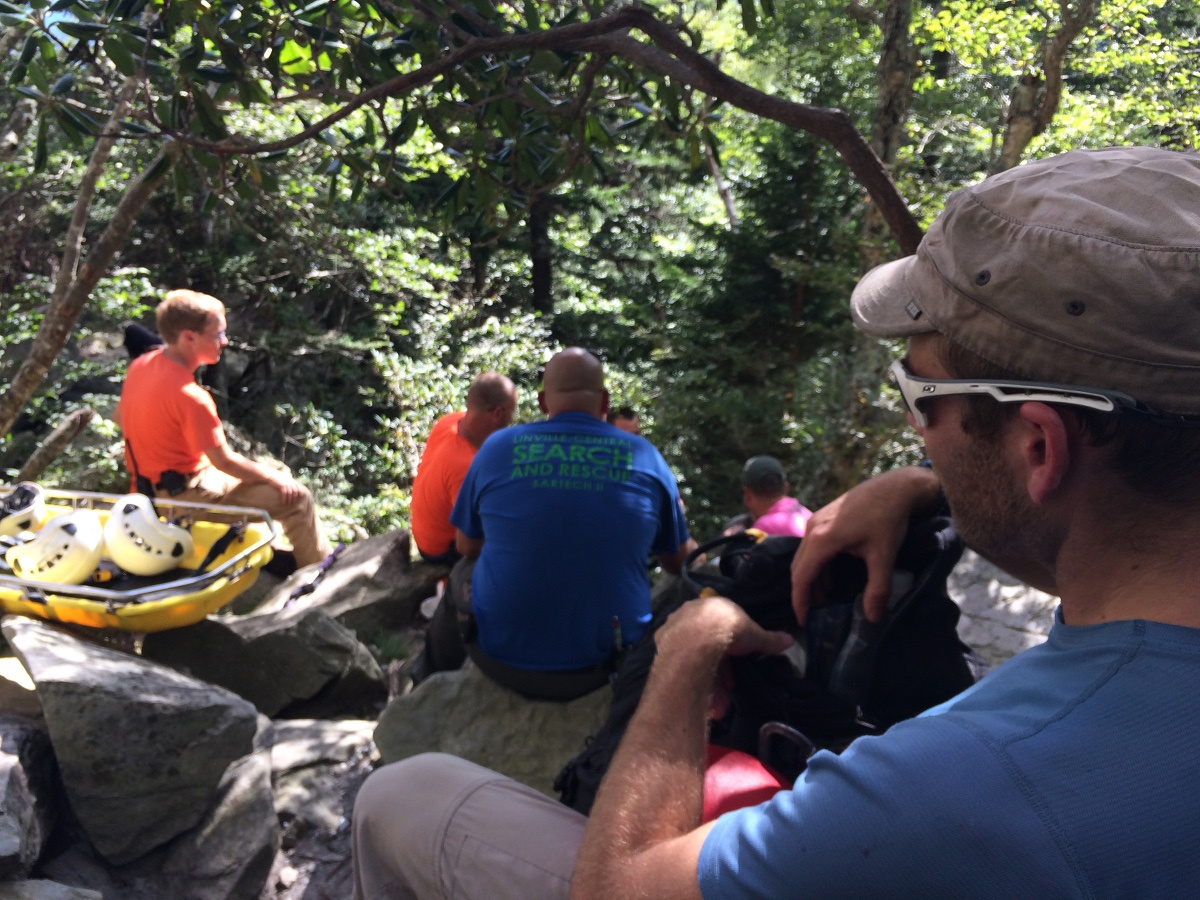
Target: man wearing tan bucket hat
1053,369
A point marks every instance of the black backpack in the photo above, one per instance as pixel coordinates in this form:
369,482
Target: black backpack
847,677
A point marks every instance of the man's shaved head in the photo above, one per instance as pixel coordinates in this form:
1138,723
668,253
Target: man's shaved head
491,390
573,382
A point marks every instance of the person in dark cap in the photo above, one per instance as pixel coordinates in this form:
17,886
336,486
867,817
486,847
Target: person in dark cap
1052,315
765,493
625,418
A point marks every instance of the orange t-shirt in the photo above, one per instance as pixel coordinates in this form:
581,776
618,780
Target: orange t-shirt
440,474
168,419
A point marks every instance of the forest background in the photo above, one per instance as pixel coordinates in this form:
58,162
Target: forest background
393,196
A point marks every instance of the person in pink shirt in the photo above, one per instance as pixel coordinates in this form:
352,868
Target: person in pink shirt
765,493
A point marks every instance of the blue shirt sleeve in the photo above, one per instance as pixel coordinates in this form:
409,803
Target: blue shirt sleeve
672,524
908,815
465,515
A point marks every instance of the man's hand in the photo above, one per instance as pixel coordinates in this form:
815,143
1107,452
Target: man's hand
717,626
722,629
868,521
644,836
289,488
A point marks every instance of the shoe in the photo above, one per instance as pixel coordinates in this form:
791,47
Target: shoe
282,564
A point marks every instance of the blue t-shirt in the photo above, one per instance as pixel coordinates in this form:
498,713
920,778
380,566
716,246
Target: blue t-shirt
1070,771
569,509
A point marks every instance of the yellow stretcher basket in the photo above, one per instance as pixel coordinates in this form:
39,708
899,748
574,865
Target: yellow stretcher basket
182,596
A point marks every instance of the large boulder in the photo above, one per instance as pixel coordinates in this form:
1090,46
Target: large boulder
372,587
308,760
274,659
27,794
17,695
141,748
229,854
1001,616
41,889
467,714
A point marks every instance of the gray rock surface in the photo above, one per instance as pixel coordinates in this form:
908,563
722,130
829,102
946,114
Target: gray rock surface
17,695
45,890
373,586
273,659
467,714
308,742
309,758
228,856
28,792
1000,615
141,748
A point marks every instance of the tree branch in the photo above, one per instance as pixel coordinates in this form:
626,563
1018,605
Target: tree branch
64,309
64,433
668,55
87,189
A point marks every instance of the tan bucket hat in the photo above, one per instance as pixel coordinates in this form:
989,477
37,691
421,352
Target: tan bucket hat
1081,269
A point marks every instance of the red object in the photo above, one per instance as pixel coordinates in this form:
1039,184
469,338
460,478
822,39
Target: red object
733,779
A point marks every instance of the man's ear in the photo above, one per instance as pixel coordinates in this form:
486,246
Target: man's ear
1045,449
603,403
542,402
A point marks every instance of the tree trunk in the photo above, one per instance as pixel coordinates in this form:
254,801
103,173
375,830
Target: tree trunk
13,132
1035,98
865,424
540,256
72,291
64,433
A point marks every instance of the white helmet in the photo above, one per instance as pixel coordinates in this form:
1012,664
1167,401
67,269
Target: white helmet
140,542
66,550
23,509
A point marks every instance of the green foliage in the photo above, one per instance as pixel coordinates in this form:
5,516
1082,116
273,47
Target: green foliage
372,271
1132,77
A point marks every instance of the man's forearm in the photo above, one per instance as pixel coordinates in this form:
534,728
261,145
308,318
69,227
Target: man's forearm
241,468
653,791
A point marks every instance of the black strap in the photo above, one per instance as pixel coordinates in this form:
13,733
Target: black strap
221,544
140,481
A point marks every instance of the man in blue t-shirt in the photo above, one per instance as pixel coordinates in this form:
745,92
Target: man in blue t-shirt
1053,370
561,517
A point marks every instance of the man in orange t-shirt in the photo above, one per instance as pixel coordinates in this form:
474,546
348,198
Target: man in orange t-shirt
491,402
175,443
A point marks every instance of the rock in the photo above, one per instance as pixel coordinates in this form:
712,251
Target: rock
45,890
306,759
1001,616
274,659
467,714
373,586
141,748
27,794
316,858
17,695
307,742
228,856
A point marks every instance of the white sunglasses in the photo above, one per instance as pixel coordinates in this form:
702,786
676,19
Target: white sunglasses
915,389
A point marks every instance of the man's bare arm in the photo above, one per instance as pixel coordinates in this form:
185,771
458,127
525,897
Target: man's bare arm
643,837
868,521
468,546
